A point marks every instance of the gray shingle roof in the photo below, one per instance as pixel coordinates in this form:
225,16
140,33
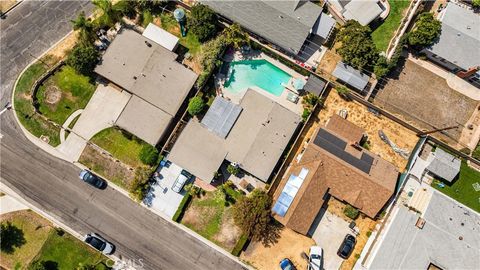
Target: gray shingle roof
283,23
459,41
444,165
350,76
314,85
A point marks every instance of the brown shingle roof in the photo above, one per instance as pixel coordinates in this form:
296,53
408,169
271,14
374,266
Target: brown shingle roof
345,129
329,174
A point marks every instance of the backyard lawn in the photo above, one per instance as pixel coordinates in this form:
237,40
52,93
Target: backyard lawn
462,189
382,35
122,145
24,109
63,93
211,216
42,242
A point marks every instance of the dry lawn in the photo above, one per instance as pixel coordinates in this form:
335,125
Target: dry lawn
6,4
359,115
424,99
290,245
328,64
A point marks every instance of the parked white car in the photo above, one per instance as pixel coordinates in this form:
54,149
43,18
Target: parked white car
315,258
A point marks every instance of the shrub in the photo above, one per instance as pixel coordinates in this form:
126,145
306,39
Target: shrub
148,155
425,31
138,188
195,105
182,207
306,113
202,22
369,233
83,58
343,91
253,214
239,246
351,211
234,170
235,36
465,151
357,47
310,100
476,152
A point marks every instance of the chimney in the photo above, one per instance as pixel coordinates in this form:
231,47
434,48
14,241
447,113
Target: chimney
468,73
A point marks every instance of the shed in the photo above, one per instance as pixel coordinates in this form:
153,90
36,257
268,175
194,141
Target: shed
350,76
314,85
161,37
443,165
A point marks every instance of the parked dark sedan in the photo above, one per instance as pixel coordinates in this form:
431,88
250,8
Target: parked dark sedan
347,246
92,179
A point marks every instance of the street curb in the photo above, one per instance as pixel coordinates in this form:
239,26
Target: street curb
12,7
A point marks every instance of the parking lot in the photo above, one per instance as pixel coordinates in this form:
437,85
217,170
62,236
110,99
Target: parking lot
328,231
162,198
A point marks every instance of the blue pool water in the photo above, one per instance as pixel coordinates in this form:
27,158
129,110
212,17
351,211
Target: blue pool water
260,73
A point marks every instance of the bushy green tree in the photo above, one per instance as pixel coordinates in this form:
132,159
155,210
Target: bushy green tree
310,100
83,58
138,188
202,22
426,30
110,13
195,105
382,67
85,29
357,47
148,155
234,170
252,214
235,36
476,3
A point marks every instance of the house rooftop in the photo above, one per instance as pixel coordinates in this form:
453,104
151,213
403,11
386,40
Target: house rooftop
346,129
350,76
160,36
330,165
144,120
450,238
255,141
363,11
459,37
284,23
443,164
315,85
147,70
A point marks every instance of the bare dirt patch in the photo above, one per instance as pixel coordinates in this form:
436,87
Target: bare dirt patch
103,164
290,245
424,99
6,4
229,232
62,48
359,115
328,64
52,95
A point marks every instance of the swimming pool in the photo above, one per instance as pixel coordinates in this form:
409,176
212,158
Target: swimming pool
260,73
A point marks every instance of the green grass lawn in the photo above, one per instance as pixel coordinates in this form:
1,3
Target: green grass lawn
382,35
75,89
68,252
190,41
124,147
23,103
462,189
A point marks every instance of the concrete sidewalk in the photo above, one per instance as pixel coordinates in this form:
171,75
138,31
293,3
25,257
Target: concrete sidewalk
10,204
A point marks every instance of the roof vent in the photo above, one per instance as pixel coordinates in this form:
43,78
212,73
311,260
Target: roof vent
148,44
280,16
468,27
134,77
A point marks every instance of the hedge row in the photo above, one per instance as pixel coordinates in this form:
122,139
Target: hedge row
239,246
181,208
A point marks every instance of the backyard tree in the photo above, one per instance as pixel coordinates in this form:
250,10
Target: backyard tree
85,29
357,47
253,215
111,13
12,237
195,105
83,58
476,3
202,22
148,155
382,66
235,36
232,169
426,30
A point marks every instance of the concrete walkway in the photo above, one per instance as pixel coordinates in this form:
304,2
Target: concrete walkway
101,112
67,123
10,204
453,81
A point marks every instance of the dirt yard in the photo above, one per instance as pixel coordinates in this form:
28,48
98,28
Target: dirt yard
6,4
328,64
290,245
359,115
424,99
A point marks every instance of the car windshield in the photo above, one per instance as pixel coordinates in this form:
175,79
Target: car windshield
97,243
315,257
346,248
89,178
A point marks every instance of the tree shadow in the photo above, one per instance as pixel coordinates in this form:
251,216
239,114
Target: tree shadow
12,237
44,265
271,235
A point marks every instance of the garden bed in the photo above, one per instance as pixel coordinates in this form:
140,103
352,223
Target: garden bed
210,215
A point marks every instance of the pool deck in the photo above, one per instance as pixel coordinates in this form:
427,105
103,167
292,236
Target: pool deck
255,55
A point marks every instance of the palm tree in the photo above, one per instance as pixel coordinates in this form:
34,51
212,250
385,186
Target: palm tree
85,29
111,14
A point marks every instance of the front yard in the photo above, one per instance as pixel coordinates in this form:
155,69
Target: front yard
210,215
42,242
383,34
463,189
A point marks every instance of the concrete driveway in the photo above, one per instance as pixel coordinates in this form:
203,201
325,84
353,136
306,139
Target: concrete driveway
100,113
329,234
162,198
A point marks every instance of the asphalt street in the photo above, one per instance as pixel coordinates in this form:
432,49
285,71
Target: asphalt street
53,185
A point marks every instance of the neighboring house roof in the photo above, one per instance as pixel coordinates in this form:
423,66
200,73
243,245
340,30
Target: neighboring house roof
363,11
350,76
160,36
284,23
314,85
144,120
256,141
443,164
346,129
330,165
460,37
147,70
323,27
